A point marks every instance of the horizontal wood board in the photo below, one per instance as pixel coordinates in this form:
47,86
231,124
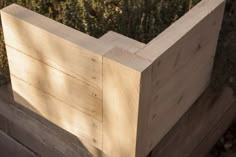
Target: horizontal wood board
9,147
55,44
40,135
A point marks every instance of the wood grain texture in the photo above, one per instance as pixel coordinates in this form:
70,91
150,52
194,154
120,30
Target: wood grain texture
56,111
117,40
190,46
72,91
144,111
177,96
38,134
178,75
9,147
182,72
138,85
121,94
55,44
197,125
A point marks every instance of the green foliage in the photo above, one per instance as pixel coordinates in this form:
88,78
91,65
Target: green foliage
138,19
3,57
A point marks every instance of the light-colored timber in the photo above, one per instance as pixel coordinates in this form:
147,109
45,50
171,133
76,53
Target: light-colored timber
54,44
177,77
75,93
182,72
72,120
128,95
38,134
199,128
121,96
118,40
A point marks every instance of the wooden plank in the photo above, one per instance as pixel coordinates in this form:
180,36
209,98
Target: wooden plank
121,90
56,111
180,28
63,47
126,74
144,111
121,41
192,72
177,96
196,124
181,72
26,137
9,147
172,93
204,147
190,46
73,92
127,59
38,134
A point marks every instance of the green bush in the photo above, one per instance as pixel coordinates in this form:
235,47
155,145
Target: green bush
3,58
139,19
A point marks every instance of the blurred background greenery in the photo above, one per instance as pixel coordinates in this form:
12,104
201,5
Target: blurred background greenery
139,19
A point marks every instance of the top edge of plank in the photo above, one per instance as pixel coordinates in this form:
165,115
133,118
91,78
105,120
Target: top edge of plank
125,58
122,36
122,41
151,51
178,29
58,29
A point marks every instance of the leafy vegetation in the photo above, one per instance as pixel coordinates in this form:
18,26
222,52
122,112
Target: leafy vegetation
138,19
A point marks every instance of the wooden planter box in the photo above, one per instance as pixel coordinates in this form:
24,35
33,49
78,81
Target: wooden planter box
117,94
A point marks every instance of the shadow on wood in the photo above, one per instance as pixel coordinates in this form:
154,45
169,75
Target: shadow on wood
38,134
200,127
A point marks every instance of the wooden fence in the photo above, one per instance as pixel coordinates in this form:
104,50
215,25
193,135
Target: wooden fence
117,94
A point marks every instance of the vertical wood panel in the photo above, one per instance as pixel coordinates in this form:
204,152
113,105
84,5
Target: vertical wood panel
182,58
121,94
177,96
186,49
145,103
